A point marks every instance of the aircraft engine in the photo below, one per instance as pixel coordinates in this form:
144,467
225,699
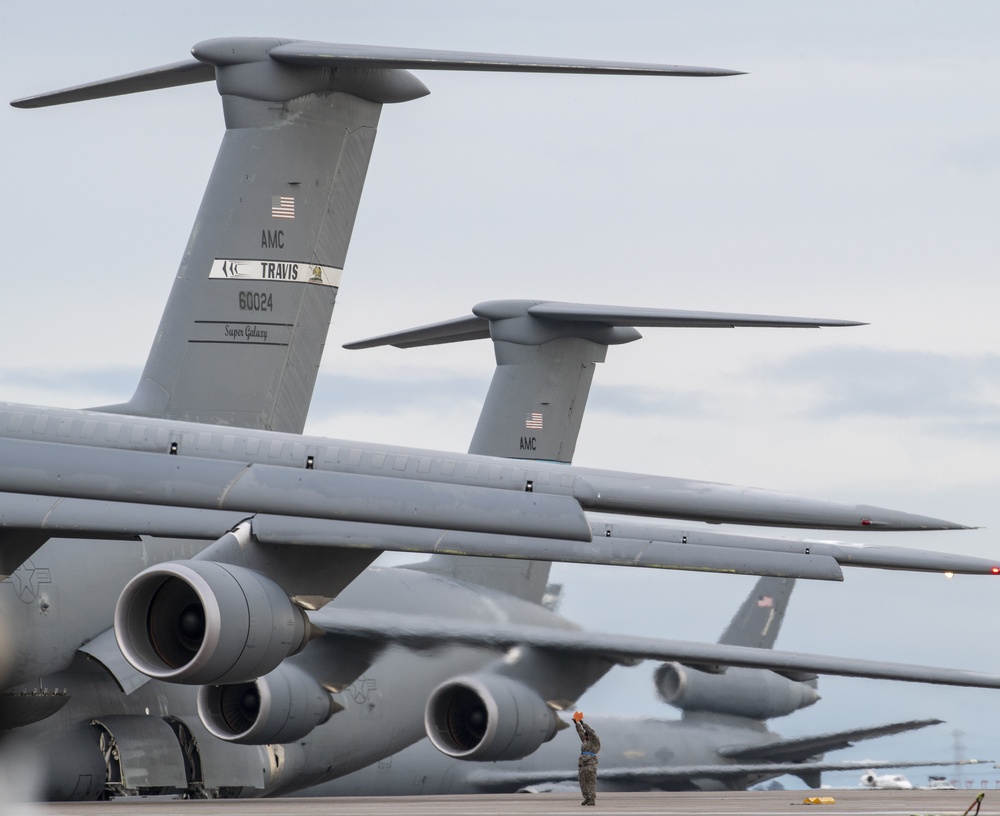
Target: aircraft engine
282,706
487,717
755,693
202,622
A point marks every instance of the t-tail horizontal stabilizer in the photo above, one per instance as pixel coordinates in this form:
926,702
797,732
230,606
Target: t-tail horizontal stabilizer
363,59
546,354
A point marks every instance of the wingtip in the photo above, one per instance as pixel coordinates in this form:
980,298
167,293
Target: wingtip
880,519
710,72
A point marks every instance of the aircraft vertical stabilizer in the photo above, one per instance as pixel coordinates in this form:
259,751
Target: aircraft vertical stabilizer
749,694
243,331
759,618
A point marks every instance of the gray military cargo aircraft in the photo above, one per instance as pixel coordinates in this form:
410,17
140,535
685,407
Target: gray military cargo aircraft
208,449
721,742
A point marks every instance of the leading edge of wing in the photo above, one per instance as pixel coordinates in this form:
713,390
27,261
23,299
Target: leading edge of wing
424,631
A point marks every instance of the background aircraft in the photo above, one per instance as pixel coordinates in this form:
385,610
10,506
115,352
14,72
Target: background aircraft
721,742
870,779
833,107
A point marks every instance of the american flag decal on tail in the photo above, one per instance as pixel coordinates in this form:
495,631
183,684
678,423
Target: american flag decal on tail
282,206
534,420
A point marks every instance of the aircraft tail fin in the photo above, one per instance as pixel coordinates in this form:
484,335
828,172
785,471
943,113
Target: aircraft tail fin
759,618
546,355
243,331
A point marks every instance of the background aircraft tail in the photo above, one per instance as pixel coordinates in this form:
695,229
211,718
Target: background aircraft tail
759,618
710,692
546,354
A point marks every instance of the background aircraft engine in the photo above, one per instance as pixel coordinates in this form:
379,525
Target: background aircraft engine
756,693
282,706
202,622
487,717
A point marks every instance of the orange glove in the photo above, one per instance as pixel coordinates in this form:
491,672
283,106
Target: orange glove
578,716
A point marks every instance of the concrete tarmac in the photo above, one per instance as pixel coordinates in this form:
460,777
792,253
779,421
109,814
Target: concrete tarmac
751,803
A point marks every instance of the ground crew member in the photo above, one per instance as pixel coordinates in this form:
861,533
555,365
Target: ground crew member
590,744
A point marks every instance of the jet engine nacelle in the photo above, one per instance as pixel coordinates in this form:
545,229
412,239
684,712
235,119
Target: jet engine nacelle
282,706
487,717
755,693
202,622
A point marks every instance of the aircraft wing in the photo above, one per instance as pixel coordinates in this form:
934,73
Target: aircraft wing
620,544
655,775
617,544
321,478
136,477
789,750
423,632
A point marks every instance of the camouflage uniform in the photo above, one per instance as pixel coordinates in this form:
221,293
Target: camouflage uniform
590,744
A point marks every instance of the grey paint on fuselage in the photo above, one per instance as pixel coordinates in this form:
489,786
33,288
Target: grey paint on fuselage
65,595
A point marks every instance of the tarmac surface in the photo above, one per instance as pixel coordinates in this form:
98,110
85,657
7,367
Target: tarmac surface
770,803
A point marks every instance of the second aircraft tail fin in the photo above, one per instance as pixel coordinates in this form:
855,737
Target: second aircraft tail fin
759,618
546,355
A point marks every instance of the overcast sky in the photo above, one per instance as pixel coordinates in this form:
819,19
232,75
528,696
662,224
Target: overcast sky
852,173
